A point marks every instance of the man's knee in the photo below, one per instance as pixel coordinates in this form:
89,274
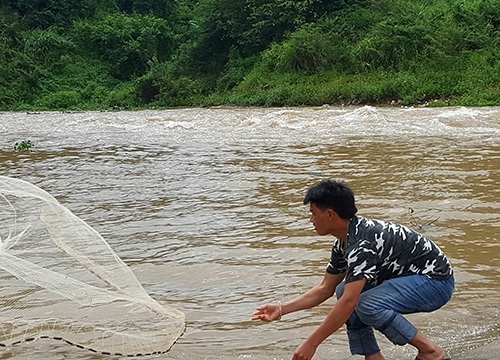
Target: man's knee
371,312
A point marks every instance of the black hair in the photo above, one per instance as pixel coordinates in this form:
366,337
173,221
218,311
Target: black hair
335,195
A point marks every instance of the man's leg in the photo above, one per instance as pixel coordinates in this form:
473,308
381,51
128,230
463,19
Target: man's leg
381,307
377,356
427,349
361,338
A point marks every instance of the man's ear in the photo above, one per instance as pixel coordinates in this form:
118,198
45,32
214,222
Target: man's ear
332,214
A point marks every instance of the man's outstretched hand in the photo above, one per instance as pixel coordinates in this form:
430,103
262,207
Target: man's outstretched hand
268,312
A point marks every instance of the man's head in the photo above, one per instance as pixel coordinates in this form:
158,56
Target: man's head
332,194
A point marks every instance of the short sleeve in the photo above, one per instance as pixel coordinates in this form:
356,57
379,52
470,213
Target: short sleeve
337,264
362,262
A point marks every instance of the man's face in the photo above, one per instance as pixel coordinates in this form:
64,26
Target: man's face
321,219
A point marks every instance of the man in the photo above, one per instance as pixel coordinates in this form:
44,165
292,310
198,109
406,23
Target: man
379,271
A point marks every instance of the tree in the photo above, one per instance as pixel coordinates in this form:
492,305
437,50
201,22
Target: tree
126,42
247,27
164,9
45,13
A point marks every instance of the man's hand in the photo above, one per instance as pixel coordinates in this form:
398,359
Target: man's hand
268,312
304,352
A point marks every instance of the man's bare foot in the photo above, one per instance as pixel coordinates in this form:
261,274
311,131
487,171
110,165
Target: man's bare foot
377,356
427,349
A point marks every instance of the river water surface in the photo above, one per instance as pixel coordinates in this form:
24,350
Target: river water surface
205,206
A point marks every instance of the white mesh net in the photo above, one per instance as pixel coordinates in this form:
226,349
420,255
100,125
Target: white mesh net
61,280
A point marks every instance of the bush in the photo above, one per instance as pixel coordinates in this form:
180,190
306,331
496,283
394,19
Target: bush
123,96
46,46
60,100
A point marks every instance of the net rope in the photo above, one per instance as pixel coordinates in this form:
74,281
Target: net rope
61,280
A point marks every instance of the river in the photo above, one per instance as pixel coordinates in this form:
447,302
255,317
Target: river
205,206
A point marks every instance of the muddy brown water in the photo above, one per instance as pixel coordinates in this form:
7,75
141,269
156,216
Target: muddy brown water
205,206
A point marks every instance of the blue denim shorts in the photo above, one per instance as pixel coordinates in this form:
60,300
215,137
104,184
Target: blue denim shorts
382,307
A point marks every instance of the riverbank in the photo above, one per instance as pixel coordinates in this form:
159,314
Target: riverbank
424,87
93,56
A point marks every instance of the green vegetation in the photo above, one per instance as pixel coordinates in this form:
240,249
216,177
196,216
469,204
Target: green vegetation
123,54
24,146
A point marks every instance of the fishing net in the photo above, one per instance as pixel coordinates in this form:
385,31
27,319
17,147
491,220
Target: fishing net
61,280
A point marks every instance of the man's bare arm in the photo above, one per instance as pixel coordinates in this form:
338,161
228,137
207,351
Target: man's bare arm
311,298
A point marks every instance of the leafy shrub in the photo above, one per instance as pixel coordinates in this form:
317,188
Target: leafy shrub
60,100
236,69
24,146
46,45
305,50
123,96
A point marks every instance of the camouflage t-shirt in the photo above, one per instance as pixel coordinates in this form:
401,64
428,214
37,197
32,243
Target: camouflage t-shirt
380,250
